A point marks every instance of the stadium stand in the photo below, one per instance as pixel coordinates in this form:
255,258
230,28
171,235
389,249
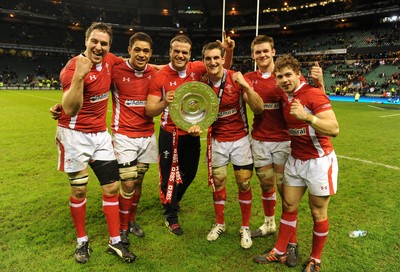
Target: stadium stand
338,34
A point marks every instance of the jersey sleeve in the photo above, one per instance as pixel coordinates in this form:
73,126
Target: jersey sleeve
248,80
114,59
199,66
67,74
320,101
155,85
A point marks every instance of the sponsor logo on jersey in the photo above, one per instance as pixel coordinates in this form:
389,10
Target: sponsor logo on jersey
98,98
135,103
297,131
192,74
327,106
227,113
271,106
172,83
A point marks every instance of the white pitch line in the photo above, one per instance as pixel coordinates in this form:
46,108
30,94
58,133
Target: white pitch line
383,116
375,107
51,99
360,160
370,162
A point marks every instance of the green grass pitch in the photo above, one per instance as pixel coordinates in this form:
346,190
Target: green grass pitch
37,232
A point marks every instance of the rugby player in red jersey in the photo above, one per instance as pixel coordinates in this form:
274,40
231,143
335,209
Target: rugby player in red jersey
230,138
82,137
173,140
312,164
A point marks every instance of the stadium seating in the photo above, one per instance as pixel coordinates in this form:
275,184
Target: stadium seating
53,31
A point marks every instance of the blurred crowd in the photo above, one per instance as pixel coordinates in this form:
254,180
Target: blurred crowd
44,50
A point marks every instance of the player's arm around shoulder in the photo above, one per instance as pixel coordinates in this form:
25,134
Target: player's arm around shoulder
55,111
252,98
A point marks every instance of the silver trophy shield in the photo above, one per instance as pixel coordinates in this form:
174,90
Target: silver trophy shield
195,103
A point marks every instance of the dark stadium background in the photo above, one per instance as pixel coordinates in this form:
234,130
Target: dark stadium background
356,42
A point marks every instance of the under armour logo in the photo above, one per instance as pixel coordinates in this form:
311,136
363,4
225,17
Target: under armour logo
166,153
229,88
172,83
255,81
126,79
93,77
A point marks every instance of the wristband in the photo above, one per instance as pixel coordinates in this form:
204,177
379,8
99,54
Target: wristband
313,121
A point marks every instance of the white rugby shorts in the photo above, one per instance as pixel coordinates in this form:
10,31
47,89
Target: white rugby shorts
267,153
319,175
238,152
76,148
142,149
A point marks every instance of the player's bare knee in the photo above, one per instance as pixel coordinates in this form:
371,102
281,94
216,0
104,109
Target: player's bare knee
111,188
318,215
243,177
266,178
243,187
78,192
128,186
220,173
263,174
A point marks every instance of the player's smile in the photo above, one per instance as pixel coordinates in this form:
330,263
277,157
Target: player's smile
141,60
213,66
99,54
